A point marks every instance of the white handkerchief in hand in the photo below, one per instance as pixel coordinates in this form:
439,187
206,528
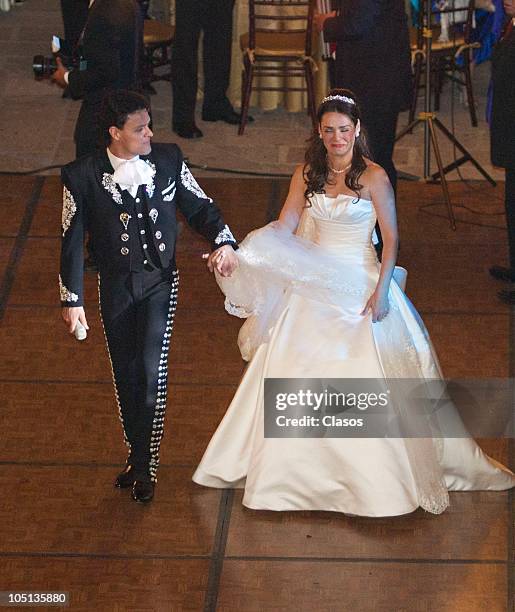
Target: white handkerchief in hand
80,331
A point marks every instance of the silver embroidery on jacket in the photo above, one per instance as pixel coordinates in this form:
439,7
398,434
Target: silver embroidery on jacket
66,294
169,197
225,236
69,209
170,192
188,180
151,186
109,184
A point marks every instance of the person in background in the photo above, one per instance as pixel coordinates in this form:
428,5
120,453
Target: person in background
214,19
373,60
502,136
111,46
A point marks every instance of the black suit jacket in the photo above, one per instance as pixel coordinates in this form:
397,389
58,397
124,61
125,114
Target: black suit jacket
373,56
111,46
93,202
75,15
502,128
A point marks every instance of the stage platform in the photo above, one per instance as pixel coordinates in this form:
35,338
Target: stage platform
64,527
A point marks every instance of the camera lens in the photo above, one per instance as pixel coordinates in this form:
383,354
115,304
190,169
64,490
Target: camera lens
43,66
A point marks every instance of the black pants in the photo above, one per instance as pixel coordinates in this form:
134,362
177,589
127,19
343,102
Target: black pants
380,125
214,18
87,136
137,312
509,201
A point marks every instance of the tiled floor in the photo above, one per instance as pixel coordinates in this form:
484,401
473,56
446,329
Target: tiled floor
63,526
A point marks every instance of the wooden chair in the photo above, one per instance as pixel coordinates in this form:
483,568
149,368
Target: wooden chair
445,55
278,44
157,43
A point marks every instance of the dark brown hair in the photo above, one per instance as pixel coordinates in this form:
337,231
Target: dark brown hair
316,170
116,108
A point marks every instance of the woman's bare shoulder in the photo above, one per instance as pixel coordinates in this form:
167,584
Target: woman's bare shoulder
301,170
374,174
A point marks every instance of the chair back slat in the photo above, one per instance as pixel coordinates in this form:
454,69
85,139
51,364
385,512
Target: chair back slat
289,17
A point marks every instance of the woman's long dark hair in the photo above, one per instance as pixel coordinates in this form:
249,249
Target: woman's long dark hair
316,170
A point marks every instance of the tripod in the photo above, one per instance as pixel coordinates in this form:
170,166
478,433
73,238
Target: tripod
431,122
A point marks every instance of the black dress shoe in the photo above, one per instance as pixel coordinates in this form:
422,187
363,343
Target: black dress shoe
126,478
185,130
229,116
502,273
143,491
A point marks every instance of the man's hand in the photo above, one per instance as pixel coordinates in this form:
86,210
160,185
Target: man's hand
320,19
224,260
58,76
72,315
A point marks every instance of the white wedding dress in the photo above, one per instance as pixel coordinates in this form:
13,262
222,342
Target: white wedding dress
309,291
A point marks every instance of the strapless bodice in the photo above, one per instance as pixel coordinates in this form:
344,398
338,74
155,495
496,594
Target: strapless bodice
344,225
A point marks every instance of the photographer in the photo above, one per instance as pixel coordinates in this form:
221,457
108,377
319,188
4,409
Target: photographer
110,48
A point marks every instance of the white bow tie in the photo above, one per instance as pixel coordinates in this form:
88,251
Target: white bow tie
133,172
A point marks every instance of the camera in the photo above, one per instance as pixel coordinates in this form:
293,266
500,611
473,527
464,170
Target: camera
45,65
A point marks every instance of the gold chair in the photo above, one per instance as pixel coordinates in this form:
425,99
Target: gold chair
157,43
445,56
278,44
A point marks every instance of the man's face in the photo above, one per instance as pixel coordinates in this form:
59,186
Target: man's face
509,7
134,138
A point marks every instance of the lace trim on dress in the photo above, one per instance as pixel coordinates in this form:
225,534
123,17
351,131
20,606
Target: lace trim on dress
188,180
69,209
406,352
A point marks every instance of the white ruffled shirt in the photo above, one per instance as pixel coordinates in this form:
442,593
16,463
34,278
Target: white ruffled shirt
130,173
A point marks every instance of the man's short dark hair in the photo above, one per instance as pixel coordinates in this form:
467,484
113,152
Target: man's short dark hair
116,107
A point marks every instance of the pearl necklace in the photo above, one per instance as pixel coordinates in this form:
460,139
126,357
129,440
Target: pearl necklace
339,171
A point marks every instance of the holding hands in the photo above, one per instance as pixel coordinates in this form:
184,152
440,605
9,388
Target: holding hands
224,260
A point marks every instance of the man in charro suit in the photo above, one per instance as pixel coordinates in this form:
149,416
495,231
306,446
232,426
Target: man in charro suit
110,48
126,196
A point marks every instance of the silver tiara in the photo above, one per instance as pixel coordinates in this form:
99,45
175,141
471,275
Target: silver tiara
337,97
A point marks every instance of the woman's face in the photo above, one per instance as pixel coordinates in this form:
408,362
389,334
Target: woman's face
338,133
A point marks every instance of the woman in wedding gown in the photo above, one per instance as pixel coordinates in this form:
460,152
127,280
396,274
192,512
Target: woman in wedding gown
320,305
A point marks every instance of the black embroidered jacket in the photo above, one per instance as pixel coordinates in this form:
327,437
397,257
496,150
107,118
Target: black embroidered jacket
92,201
